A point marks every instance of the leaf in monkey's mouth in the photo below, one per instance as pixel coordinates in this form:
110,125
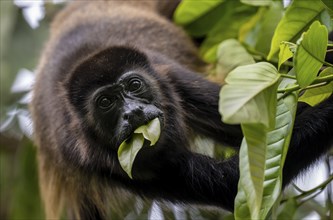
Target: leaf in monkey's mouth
129,148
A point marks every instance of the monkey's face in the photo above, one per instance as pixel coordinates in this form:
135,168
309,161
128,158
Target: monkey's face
122,106
114,92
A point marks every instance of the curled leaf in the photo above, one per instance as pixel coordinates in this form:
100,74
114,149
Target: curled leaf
129,148
151,131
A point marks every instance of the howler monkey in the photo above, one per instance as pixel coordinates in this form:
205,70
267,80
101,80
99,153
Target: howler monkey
110,67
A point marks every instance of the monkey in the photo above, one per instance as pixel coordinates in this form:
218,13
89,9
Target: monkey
110,67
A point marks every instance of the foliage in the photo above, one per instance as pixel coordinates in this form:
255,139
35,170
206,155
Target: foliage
260,96
129,149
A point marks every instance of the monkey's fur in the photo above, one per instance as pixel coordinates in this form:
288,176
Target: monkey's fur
79,30
95,39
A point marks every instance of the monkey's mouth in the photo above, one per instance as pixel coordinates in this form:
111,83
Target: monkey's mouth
150,131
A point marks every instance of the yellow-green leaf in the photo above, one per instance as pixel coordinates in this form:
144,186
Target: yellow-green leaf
235,15
317,95
286,52
257,2
188,10
310,54
298,16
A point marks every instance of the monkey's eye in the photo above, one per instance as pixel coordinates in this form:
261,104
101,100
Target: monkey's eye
134,85
104,102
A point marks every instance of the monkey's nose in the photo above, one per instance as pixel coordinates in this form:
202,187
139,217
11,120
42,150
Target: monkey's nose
134,114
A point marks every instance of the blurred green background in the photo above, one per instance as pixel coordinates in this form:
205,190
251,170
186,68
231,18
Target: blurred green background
20,48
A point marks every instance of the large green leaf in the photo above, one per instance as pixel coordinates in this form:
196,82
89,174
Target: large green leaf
277,147
310,54
189,11
316,95
129,149
262,156
297,17
231,54
252,156
250,95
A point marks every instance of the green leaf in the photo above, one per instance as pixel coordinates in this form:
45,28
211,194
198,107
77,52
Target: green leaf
310,54
249,26
266,27
151,131
234,14
297,17
262,156
287,50
202,25
189,11
258,32
210,55
328,4
317,95
231,54
242,210
128,151
252,163
250,94
257,2
277,147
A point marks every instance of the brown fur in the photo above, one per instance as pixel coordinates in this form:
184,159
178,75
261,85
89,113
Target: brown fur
135,22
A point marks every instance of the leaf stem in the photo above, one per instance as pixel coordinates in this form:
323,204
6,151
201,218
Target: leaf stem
263,57
328,64
311,191
319,81
287,76
289,89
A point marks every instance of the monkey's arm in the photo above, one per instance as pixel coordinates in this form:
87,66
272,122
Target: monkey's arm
312,137
189,177
200,101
